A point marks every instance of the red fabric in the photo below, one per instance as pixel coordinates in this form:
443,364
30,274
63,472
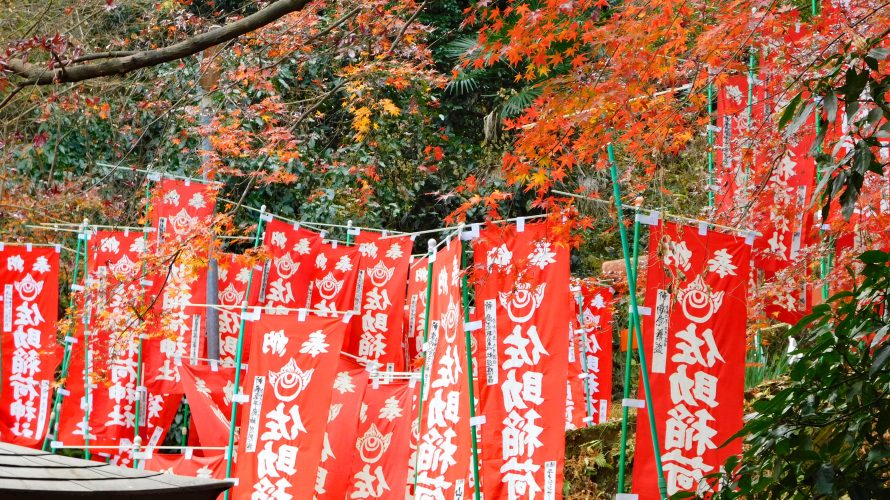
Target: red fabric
334,274
181,208
209,466
694,340
380,463
732,123
523,383
576,393
235,272
377,334
291,251
181,333
29,297
443,456
182,213
416,302
342,430
293,363
789,306
114,270
209,393
598,303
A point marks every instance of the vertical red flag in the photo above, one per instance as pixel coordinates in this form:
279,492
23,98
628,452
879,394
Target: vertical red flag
597,331
235,272
695,346
732,123
334,274
342,431
417,283
181,208
443,454
576,391
29,283
208,466
523,387
113,285
380,462
182,213
291,250
293,363
377,334
208,389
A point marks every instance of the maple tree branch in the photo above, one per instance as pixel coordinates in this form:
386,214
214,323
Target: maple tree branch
118,65
405,28
101,55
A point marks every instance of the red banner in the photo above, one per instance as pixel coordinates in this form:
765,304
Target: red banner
208,390
181,208
732,124
597,304
694,340
29,282
205,467
417,283
293,364
444,451
380,463
291,251
114,287
334,275
523,384
578,404
181,332
342,431
235,272
377,334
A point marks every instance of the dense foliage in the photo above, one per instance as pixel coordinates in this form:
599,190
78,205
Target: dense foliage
825,434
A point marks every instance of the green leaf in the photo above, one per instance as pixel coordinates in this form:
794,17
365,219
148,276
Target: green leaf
829,103
790,108
880,359
854,85
879,53
874,257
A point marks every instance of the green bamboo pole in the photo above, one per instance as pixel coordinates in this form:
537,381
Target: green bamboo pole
635,313
710,145
582,351
465,298
66,357
137,440
230,450
184,437
86,355
431,255
349,233
628,362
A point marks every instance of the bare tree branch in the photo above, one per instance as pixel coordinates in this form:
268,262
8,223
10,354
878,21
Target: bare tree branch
40,75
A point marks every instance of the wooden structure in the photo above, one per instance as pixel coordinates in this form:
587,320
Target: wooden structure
35,474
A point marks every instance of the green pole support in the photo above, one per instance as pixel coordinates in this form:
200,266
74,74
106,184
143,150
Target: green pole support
431,251
86,355
465,298
628,362
230,450
635,313
66,357
349,233
710,145
184,438
582,351
139,374
750,84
